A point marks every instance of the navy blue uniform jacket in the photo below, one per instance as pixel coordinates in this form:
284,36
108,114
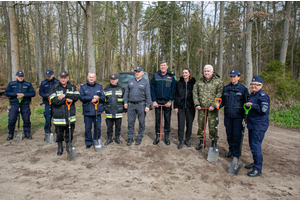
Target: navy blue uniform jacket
233,99
258,116
15,87
87,92
162,86
45,87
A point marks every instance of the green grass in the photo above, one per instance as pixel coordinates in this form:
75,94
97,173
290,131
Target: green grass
287,118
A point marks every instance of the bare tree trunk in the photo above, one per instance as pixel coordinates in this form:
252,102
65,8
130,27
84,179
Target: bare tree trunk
248,56
105,39
77,41
8,42
89,37
293,40
212,45
220,54
188,7
134,24
15,57
120,35
273,31
285,37
201,40
73,48
65,35
38,57
171,50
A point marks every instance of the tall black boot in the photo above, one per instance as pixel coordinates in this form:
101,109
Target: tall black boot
109,140
167,139
117,140
60,148
156,139
199,145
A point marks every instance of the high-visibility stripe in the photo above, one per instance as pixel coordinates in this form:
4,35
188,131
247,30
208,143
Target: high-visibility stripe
77,92
120,100
52,96
119,115
108,93
73,119
118,92
59,121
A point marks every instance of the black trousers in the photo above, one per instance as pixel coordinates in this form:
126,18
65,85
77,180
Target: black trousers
185,117
167,117
110,124
60,130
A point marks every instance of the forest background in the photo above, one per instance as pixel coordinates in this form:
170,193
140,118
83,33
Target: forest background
255,37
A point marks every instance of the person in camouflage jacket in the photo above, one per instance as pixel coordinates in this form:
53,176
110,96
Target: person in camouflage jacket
206,89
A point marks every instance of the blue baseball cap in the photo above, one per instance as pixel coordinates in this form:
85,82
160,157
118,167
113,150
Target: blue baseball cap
257,79
139,69
63,73
234,72
48,73
19,73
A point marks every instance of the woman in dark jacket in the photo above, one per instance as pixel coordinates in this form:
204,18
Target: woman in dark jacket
184,106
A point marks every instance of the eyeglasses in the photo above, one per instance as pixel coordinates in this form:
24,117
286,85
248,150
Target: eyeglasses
255,84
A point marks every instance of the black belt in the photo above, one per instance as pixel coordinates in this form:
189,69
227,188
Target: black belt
135,102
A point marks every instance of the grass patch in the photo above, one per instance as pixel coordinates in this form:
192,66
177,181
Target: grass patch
286,117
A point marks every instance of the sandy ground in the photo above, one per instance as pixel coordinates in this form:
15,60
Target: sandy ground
32,170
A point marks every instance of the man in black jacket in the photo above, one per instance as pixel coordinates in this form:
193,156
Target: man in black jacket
114,108
59,94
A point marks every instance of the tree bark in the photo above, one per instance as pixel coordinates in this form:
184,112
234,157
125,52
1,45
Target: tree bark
134,24
89,37
248,56
221,48
8,42
293,40
285,37
120,35
15,57
38,56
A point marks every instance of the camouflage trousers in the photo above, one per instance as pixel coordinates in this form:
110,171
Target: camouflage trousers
211,119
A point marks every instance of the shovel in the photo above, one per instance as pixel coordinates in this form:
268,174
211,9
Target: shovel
71,150
213,152
49,136
204,139
160,133
97,142
18,134
237,163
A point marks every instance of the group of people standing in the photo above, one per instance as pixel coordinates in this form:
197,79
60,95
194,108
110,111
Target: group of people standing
114,101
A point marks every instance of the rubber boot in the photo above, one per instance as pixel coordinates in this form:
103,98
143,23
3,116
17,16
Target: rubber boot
109,140
117,140
199,145
60,148
156,139
167,139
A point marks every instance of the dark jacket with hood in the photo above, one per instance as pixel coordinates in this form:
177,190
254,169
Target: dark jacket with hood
183,93
114,103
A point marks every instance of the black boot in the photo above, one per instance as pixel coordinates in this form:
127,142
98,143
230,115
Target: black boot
130,140
60,148
117,140
167,139
180,145
109,140
214,142
199,145
156,139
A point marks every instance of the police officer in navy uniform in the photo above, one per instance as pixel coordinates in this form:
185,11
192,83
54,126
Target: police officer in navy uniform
162,93
60,93
234,96
16,90
114,109
90,93
137,100
44,92
257,123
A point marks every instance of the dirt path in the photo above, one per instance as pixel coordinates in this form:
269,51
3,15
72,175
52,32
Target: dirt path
32,170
